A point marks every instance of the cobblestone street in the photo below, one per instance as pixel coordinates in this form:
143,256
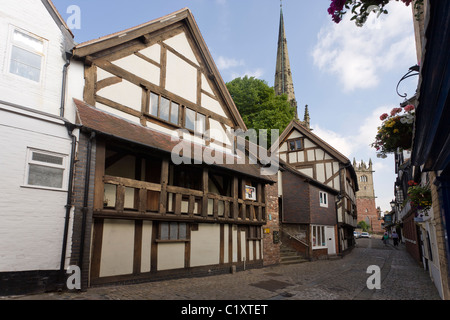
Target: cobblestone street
339,279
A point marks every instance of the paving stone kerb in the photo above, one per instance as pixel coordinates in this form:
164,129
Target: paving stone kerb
342,279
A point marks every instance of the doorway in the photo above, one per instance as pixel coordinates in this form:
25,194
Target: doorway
331,240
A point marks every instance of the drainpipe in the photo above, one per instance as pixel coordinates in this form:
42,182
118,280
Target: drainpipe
337,221
64,81
86,198
70,128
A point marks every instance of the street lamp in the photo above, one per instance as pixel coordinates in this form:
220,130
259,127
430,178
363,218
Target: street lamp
393,204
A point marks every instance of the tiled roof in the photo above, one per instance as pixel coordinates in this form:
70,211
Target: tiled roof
107,124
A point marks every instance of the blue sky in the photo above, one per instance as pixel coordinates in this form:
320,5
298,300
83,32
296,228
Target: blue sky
347,75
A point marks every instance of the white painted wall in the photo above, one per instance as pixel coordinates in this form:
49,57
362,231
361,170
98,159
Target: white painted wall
205,245
181,78
170,256
117,247
32,218
74,89
31,16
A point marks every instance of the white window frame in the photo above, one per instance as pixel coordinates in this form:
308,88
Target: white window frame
42,54
318,235
30,161
323,199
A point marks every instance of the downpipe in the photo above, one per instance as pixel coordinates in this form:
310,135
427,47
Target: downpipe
85,199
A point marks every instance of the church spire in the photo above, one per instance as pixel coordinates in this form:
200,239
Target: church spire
307,119
283,74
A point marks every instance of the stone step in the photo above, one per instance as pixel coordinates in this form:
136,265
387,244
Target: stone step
290,256
292,260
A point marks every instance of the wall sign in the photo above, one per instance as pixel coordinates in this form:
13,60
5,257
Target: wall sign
250,193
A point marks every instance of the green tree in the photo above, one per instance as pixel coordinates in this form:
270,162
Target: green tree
364,226
258,105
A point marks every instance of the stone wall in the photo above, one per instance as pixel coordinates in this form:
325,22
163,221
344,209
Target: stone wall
272,228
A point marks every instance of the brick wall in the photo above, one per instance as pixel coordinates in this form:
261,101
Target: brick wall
322,215
410,237
296,196
271,249
371,215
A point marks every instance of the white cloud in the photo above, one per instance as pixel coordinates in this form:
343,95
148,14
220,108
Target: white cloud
224,63
234,68
358,56
357,145
337,141
257,73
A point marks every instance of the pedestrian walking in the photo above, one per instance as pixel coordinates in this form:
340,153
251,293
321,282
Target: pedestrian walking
386,238
395,238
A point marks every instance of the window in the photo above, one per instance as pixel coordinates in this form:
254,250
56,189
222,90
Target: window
27,53
195,121
318,237
295,145
45,169
363,178
186,177
173,231
254,233
164,109
170,111
323,199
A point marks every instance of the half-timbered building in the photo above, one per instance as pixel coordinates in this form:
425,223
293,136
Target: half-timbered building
301,149
143,211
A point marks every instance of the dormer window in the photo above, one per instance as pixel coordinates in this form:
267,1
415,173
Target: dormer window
295,145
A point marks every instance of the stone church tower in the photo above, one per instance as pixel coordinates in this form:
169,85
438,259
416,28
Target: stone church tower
365,197
283,73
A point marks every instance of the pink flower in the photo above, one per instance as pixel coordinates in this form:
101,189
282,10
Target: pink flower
409,108
384,116
395,111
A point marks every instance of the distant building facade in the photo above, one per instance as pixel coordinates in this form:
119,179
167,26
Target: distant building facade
365,197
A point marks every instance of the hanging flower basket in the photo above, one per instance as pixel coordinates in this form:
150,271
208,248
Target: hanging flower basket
396,131
420,197
361,9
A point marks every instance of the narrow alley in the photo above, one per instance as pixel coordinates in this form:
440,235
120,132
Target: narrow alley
338,279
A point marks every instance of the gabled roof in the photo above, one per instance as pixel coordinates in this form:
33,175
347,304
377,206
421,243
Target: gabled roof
56,16
287,167
85,49
295,124
92,119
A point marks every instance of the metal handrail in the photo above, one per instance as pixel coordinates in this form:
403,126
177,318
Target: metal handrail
292,237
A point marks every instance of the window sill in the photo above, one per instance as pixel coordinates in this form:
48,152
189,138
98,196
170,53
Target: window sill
171,124
171,241
43,188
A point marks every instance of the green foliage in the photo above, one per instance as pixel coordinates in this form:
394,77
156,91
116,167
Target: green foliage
258,105
364,226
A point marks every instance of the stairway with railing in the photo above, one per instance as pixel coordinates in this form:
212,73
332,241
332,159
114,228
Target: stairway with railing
289,255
